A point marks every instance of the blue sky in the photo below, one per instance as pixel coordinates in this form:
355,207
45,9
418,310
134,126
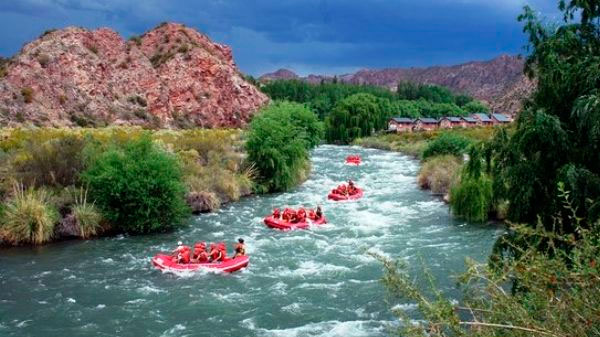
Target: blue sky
307,36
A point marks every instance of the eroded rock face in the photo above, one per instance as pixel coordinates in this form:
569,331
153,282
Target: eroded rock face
202,202
499,82
67,227
172,76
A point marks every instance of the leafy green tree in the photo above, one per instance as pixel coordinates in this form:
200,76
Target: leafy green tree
323,97
406,108
558,133
353,117
476,107
278,142
462,100
138,187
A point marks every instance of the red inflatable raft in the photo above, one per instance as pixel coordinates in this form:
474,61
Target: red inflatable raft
165,262
280,224
353,160
342,197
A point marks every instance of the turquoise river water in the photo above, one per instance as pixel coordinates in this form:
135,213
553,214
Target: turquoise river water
318,282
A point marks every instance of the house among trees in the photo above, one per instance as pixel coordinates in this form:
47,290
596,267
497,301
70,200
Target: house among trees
483,119
404,124
450,122
500,119
424,123
400,124
468,122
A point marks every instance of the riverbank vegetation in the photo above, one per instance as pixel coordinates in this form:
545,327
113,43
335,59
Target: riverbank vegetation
352,111
61,183
415,143
442,153
57,183
355,116
278,143
542,278
548,292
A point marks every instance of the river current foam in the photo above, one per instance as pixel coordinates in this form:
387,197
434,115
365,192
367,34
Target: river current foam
318,282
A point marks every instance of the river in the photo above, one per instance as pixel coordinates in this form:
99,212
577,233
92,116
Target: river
318,282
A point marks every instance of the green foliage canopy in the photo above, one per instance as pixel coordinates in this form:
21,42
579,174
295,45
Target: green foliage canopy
138,186
353,117
278,142
558,133
410,100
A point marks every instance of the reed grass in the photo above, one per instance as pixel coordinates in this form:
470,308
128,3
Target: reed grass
28,217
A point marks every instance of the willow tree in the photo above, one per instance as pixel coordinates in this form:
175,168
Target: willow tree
278,142
353,117
558,133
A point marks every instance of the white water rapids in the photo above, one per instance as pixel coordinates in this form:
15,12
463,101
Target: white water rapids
317,282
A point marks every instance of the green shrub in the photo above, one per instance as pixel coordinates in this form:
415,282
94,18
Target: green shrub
278,143
472,198
138,187
476,107
28,217
447,143
439,173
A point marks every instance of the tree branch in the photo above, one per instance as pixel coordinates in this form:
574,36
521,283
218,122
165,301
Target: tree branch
504,326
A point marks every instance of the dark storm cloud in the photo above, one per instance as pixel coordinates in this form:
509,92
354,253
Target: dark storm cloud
324,36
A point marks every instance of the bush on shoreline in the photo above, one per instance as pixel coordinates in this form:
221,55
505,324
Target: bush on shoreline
446,143
278,142
138,187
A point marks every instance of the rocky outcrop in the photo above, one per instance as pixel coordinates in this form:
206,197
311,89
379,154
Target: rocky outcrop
171,76
499,82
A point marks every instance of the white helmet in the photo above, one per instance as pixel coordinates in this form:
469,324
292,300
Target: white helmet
179,243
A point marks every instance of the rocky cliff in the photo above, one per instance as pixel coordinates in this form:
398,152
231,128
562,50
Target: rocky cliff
171,76
499,82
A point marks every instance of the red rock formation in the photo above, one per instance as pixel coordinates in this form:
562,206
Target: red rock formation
172,76
499,82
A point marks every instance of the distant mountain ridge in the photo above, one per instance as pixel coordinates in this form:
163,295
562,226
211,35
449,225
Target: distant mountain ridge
171,76
499,82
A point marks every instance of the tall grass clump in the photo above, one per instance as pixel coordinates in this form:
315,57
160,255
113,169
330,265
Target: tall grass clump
447,143
138,187
28,217
87,216
278,143
439,173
